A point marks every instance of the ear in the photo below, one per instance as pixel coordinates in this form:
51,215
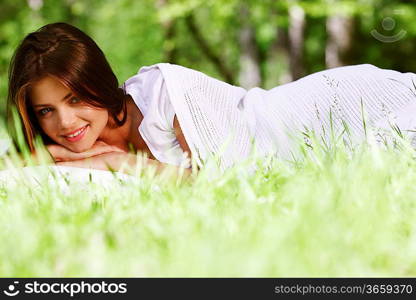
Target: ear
111,123
112,119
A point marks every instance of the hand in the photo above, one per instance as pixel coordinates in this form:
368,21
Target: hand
60,153
103,161
111,161
126,163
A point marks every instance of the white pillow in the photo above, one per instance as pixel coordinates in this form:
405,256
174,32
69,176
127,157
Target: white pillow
64,176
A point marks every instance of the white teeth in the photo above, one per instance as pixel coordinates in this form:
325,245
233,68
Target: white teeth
76,133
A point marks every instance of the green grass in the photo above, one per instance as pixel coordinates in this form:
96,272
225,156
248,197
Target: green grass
328,215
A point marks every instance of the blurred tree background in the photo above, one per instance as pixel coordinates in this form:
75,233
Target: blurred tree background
248,43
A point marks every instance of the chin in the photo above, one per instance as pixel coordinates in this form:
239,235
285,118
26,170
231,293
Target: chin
78,148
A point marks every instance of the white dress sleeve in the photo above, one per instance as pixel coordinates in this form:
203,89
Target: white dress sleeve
149,92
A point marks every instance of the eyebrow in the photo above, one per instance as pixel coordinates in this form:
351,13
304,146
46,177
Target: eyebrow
64,98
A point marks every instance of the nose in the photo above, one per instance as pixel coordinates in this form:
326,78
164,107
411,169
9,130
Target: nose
67,119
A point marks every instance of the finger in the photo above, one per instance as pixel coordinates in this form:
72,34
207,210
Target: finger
56,151
100,143
92,152
98,150
60,153
117,149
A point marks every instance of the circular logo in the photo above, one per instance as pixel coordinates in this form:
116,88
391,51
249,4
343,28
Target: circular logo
388,24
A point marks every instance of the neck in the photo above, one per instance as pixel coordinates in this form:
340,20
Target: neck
127,135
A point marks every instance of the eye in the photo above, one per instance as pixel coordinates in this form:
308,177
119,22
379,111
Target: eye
44,111
75,100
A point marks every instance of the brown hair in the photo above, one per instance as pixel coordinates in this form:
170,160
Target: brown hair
71,56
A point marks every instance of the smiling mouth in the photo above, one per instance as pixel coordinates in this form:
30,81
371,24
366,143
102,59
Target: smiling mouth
77,135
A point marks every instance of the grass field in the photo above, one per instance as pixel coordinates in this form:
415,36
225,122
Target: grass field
330,215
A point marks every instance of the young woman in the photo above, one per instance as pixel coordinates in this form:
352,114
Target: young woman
65,91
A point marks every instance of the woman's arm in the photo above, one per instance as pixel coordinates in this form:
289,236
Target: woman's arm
59,153
105,157
180,137
124,162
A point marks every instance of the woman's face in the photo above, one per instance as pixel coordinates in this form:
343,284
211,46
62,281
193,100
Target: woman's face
66,119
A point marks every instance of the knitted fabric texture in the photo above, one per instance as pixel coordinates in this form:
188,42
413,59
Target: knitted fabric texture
225,120
210,113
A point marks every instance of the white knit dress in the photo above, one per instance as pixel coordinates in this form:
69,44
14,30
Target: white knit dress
348,95
218,118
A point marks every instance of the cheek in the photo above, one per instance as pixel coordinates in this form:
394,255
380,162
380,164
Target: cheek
47,126
98,117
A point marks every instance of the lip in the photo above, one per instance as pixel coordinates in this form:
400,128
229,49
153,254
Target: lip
79,136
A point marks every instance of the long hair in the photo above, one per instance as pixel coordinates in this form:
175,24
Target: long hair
68,54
